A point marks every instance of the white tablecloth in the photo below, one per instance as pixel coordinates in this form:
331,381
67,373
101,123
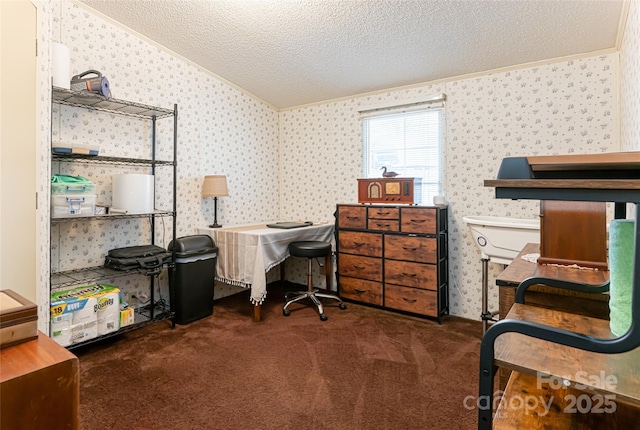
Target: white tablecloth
247,252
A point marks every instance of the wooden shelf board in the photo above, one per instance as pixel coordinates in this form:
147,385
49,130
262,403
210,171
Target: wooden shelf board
559,408
533,356
591,184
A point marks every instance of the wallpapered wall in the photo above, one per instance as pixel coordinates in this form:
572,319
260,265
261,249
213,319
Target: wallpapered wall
299,163
630,81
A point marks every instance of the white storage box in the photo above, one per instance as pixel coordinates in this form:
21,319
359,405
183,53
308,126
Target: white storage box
70,205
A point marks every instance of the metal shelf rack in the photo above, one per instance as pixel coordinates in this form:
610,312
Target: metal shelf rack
95,101
155,310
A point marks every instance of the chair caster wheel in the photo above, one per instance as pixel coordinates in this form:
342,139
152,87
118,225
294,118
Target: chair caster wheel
342,306
323,317
286,312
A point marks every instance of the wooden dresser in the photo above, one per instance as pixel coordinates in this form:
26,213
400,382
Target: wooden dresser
394,257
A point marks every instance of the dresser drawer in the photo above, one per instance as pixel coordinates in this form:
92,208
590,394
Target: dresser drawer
352,217
418,220
410,248
414,300
384,225
360,267
361,290
384,213
355,242
417,275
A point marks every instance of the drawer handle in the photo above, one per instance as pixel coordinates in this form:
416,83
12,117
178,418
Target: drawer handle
383,213
379,224
352,217
418,220
359,244
407,248
409,300
359,267
411,275
359,291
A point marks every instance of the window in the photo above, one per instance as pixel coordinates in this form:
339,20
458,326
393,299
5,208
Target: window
409,143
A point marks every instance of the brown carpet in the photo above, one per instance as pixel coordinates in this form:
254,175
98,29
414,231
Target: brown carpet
364,368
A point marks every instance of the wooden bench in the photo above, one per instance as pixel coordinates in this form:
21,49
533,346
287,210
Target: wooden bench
546,370
593,305
578,349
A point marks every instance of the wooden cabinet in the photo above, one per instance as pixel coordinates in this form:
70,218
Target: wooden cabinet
394,257
573,233
39,386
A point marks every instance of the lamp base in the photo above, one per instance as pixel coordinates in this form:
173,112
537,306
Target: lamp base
215,225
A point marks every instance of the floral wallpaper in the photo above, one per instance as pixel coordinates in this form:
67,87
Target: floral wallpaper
299,163
630,81
559,108
44,34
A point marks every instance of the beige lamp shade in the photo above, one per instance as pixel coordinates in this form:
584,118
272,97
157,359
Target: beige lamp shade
215,186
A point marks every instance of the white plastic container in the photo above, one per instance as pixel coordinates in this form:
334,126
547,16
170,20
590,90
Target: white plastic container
502,238
133,193
72,205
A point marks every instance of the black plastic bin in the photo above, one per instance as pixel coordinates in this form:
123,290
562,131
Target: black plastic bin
194,277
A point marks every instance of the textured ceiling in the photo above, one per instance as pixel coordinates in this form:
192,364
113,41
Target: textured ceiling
295,52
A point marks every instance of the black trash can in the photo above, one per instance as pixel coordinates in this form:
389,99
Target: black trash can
192,282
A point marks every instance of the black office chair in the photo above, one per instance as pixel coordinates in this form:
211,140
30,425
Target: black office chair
311,250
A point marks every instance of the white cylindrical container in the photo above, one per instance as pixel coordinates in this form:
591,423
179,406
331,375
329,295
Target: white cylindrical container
439,201
61,65
133,193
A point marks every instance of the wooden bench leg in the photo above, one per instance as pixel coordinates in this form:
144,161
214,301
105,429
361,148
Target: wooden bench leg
256,313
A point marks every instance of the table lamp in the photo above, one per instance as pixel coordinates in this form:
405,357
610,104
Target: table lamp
215,186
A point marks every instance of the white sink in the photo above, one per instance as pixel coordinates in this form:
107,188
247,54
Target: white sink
500,239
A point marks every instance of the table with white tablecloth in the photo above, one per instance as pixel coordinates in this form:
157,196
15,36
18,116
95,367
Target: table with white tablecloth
247,252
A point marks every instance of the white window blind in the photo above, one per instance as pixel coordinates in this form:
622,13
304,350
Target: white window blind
410,143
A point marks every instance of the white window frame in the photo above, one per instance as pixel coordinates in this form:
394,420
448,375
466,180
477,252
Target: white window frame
373,159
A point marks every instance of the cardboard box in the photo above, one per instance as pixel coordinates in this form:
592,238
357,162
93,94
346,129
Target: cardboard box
126,317
18,319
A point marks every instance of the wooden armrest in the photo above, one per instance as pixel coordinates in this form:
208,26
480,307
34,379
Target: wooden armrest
558,283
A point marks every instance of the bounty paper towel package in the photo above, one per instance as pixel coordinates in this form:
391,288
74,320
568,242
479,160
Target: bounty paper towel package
108,312
84,321
61,329
83,313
